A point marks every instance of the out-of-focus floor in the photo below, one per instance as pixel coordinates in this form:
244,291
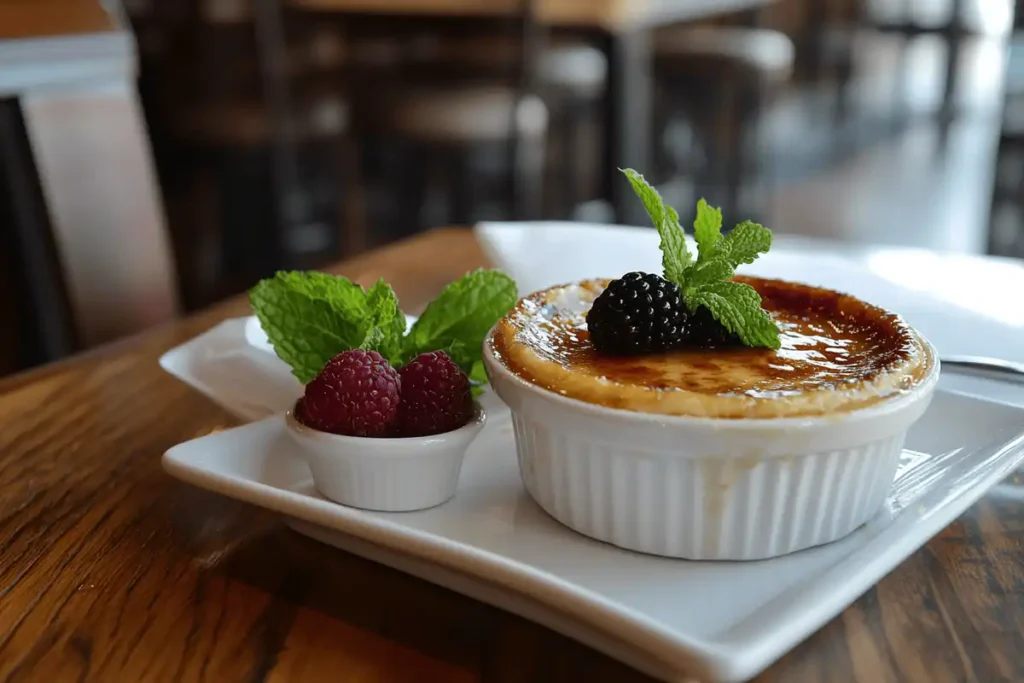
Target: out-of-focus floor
910,184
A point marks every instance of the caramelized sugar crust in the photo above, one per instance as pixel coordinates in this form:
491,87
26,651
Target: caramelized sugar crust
838,353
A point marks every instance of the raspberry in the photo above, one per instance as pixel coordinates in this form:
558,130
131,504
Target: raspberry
435,396
356,394
638,313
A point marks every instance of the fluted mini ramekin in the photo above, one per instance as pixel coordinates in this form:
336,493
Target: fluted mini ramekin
706,488
386,474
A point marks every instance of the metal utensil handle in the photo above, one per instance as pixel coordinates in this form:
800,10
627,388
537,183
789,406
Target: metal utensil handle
993,368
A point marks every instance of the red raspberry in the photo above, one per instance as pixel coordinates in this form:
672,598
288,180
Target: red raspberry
356,394
435,396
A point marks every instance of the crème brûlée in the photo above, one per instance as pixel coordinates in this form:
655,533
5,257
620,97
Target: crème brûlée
837,354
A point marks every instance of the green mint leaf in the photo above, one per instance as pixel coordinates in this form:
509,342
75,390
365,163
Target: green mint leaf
310,317
707,282
461,316
737,306
745,243
675,256
707,230
459,354
708,272
471,364
374,338
387,322
477,378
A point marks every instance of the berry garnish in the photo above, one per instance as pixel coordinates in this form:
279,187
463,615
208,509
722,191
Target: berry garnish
704,332
637,313
705,282
310,317
436,396
356,394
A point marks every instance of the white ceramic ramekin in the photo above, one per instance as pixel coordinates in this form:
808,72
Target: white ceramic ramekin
388,475
706,488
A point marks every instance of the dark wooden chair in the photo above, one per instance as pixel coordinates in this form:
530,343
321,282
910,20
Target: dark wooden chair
464,112
261,171
85,259
36,319
83,253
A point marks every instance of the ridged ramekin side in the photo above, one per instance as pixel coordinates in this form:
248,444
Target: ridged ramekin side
713,508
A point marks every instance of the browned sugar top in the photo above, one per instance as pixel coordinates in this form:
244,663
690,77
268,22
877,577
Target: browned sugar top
829,340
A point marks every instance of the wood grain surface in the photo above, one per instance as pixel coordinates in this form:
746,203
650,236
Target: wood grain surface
112,571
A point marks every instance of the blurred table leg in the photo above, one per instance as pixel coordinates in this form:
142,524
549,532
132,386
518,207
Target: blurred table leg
92,155
955,33
628,121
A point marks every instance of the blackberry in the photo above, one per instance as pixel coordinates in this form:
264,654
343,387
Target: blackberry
638,313
705,332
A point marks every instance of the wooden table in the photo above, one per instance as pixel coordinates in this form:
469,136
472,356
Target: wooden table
112,571
620,28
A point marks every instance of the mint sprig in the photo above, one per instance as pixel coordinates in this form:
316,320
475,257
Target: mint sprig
310,317
675,256
706,282
461,316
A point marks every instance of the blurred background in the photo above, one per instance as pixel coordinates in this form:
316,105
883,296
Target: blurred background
157,156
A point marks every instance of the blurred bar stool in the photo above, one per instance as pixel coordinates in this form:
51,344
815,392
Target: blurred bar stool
225,208
569,75
449,104
719,80
263,179
453,133
467,110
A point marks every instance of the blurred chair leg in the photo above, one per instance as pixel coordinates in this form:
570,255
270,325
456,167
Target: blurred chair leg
955,36
45,327
268,25
843,90
758,172
531,170
352,212
628,119
575,143
413,189
567,137
461,186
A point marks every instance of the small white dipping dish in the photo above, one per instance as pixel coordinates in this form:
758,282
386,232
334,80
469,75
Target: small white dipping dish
386,474
705,488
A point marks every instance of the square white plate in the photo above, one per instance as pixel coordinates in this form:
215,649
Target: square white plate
669,618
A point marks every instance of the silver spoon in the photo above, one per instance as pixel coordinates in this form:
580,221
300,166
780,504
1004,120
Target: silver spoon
980,366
